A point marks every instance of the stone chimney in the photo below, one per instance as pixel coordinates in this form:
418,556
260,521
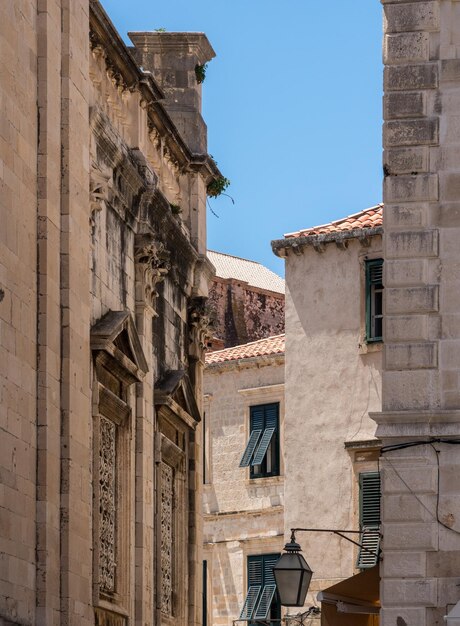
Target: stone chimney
172,59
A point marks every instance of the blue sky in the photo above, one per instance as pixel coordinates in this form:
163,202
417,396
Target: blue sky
293,107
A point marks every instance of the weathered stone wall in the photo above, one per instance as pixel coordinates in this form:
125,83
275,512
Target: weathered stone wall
18,302
243,313
422,332
242,516
332,380
91,171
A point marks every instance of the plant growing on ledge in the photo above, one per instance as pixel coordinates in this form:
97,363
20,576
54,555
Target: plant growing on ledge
200,72
217,187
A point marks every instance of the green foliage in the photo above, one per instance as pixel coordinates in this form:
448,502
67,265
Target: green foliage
175,209
217,186
200,72
162,29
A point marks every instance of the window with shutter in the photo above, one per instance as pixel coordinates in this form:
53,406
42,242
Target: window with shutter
261,601
262,451
374,300
369,518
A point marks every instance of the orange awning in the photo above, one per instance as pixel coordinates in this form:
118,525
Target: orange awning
353,601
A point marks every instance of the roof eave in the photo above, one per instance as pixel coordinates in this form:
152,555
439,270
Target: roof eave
281,247
246,361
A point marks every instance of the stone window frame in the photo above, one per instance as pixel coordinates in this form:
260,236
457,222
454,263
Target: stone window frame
169,453
119,413
117,366
364,456
365,346
265,394
254,547
372,295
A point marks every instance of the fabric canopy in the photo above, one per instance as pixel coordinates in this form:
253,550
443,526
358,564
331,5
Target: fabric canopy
353,601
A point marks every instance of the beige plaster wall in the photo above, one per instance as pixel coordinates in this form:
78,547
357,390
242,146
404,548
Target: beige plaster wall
241,516
332,380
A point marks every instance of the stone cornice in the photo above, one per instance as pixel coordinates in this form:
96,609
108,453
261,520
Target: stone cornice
282,247
417,424
181,42
272,510
127,75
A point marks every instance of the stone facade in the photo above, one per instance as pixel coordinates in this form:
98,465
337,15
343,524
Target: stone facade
103,281
246,301
243,516
421,401
333,379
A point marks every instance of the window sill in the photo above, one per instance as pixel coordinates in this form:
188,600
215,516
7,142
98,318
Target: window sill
367,348
266,481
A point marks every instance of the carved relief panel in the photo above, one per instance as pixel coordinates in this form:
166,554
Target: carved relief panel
107,504
118,363
167,536
171,532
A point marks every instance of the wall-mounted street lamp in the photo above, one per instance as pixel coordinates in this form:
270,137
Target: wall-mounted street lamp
292,572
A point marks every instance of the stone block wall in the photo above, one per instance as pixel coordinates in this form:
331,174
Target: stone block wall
242,516
422,310
243,313
18,285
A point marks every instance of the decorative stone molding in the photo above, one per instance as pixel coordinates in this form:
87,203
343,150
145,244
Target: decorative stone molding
152,265
200,327
167,537
100,190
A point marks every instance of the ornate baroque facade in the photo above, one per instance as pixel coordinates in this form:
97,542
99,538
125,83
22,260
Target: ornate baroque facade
103,280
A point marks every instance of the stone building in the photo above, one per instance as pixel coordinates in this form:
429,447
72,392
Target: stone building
333,379
420,416
243,502
246,301
103,281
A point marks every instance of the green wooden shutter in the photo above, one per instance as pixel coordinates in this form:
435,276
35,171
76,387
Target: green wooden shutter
265,602
261,587
257,417
255,570
369,499
265,416
249,451
263,446
370,539
374,282
369,518
250,603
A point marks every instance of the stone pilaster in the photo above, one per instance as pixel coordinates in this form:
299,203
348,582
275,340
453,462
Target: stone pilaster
151,266
76,539
49,314
422,308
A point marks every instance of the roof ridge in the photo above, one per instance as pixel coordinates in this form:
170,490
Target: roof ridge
241,258
248,343
336,223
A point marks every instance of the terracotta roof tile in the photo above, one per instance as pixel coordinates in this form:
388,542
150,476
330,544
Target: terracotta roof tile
262,347
369,218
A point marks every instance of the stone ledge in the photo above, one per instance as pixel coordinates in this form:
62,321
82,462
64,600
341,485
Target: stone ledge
417,424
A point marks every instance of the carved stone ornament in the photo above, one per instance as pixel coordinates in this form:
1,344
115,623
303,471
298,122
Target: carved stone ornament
152,265
200,327
167,496
100,188
107,505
